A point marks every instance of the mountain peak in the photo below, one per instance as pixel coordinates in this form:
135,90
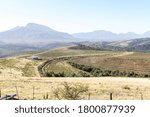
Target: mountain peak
34,26
33,32
104,31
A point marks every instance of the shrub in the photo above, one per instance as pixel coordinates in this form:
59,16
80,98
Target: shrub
84,74
52,74
126,87
70,91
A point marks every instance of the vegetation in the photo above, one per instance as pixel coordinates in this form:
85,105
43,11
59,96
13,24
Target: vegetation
85,47
67,51
126,87
71,91
99,72
125,61
66,62
59,67
28,70
136,45
52,74
117,64
8,63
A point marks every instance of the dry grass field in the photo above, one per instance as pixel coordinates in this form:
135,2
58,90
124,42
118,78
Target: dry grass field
127,61
18,67
99,88
20,74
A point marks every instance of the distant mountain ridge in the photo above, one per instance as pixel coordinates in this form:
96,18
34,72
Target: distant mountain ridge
34,37
102,35
34,33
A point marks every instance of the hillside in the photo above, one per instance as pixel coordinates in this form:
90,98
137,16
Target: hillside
69,62
24,73
139,45
7,50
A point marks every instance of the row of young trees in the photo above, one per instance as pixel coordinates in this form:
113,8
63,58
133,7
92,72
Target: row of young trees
98,72
88,71
53,74
63,74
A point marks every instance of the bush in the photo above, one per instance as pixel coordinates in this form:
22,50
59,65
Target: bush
84,74
52,74
126,87
70,91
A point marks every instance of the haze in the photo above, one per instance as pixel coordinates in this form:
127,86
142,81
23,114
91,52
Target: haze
75,16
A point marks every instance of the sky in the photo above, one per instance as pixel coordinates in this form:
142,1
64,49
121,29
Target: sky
75,16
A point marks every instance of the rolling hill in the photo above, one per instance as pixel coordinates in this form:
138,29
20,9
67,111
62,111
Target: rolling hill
140,45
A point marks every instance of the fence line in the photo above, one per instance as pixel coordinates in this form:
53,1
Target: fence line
35,94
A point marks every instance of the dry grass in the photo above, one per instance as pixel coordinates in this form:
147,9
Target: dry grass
18,67
99,88
137,62
65,51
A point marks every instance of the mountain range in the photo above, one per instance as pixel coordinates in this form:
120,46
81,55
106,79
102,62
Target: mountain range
36,33
34,37
102,35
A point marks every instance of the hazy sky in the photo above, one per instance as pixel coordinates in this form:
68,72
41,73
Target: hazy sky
77,15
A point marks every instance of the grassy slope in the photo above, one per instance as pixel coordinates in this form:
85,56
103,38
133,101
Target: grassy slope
18,67
63,66
64,51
